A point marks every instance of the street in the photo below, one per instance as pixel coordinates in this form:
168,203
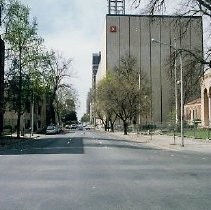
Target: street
90,170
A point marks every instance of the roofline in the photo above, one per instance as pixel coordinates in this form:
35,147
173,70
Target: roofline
165,16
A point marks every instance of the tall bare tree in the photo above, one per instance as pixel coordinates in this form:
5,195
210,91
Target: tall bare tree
184,8
191,7
196,61
56,75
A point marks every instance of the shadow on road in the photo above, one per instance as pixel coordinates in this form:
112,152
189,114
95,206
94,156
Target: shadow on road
45,146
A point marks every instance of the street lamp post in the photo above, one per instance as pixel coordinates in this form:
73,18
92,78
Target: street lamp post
181,86
139,105
2,55
182,101
139,87
175,83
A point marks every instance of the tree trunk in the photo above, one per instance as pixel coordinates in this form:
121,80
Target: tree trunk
2,55
52,113
19,95
105,126
112,127
18,125
125,125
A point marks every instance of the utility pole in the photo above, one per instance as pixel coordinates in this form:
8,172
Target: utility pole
2,55
32,115
182,100
139,87
175,83
181,88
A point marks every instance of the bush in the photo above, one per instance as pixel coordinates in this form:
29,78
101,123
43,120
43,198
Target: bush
148,127
7,127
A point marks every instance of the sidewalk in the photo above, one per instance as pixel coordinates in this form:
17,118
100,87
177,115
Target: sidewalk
28,135
167,142
9,139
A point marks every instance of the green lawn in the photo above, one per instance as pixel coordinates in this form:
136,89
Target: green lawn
195,133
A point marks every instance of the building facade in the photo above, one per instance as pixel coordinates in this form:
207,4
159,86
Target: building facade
200,109
206,99
132,35
39,117
192,111
96,58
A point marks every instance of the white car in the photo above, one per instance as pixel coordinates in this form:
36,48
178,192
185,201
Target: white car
51,129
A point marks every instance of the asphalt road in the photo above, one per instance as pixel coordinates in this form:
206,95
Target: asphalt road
92,171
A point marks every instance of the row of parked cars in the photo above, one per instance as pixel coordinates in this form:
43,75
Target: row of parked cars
78,127
53,129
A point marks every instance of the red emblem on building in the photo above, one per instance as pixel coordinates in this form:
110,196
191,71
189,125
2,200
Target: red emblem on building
113,29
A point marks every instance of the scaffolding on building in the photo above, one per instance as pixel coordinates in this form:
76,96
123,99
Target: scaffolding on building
116,7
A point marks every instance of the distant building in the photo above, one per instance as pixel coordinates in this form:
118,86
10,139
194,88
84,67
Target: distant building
206,99
132,34
96,58
200,109
192,111
88,102
39,116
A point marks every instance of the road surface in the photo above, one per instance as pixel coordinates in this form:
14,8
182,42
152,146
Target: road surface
93,171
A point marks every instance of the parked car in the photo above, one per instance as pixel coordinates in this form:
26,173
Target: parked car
86,127
51,129
73,126
80,127
89,127
67,126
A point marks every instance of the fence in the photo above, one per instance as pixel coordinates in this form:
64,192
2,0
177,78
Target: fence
191,129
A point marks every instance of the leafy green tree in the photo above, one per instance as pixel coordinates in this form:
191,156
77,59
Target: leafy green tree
85,118
31,71
23,41
70,117
122,92
103,107
65,103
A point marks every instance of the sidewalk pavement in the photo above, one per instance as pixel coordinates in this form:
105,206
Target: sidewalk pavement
167,142
28,135
9,139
